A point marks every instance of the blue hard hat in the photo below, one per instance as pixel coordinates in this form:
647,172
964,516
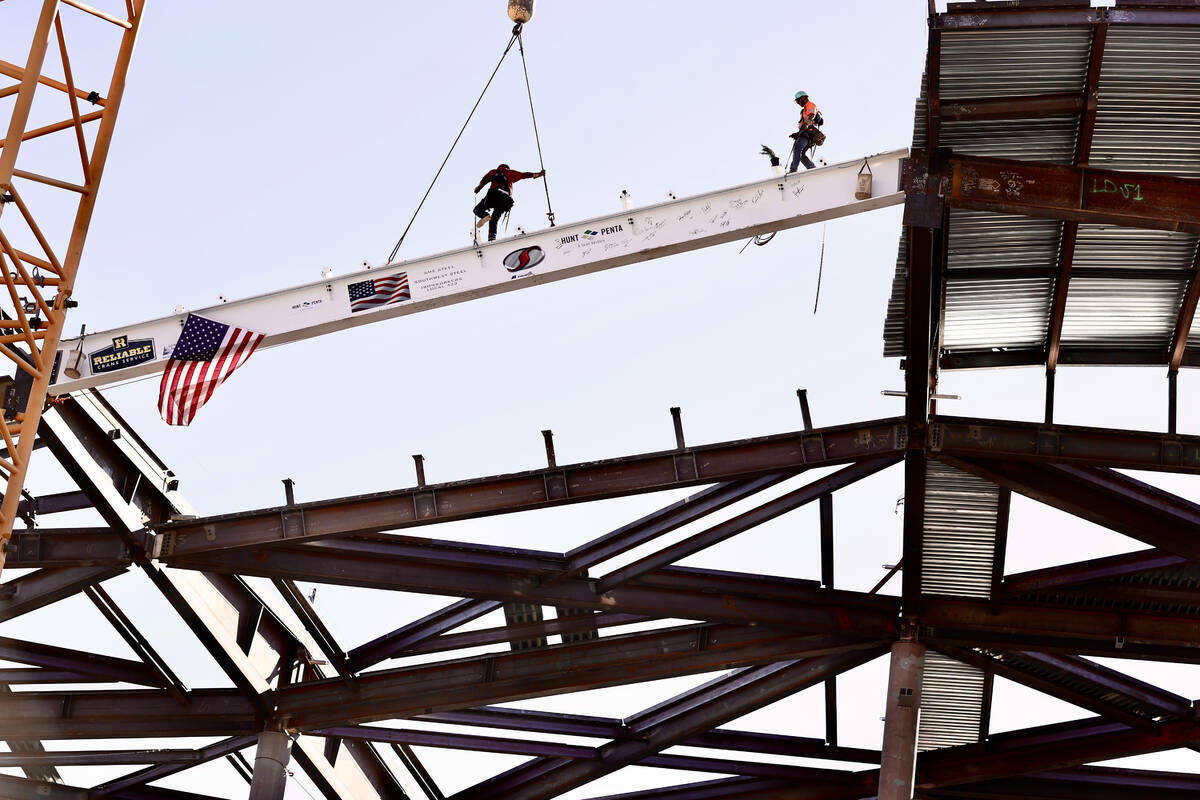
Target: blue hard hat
801,94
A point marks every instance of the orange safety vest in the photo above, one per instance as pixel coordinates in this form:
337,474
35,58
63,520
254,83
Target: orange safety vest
808,115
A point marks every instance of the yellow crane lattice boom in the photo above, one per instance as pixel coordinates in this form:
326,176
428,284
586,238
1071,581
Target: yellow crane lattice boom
39,283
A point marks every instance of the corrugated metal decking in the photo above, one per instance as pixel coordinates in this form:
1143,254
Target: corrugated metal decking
951,703
959,541
958,552
1147,120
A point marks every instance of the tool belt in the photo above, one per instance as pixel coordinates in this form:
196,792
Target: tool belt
815,135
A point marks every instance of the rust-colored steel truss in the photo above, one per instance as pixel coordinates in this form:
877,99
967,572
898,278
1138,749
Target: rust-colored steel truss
766,637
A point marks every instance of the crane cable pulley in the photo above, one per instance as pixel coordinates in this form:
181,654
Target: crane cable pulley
516,37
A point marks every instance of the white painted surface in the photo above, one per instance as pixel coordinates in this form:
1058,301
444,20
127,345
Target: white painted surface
624,237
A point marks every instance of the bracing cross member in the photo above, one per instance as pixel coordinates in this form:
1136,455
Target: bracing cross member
498,200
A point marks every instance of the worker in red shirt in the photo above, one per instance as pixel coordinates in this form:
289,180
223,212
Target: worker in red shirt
810,118
498,200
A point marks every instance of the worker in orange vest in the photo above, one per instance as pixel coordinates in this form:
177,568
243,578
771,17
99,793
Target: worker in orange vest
807,134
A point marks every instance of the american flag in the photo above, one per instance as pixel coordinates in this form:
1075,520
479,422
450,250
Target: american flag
206,354
366,295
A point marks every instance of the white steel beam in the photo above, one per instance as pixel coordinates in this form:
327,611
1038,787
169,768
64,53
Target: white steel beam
596,244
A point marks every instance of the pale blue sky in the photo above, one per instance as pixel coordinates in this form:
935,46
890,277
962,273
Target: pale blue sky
261,142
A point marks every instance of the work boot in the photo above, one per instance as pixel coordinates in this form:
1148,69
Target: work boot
483,220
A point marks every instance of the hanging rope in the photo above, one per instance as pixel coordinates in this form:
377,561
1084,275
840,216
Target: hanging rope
533,114
516,34
820,268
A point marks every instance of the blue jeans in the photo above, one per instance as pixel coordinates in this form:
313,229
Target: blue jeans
803,142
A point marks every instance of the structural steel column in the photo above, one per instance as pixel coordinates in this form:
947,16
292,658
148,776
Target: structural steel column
898,764
270,766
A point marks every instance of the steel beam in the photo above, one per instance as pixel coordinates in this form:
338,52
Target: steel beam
1066,104
270,766
825,508
95,667
545,722
1166,704
1087,572
665,725
1072,681
1070,228
1103,496
137,642
1091,94
1080,783
545,749
1103,447
45,586
421,630
543,488
524,632
611,661
745,521
1067,354
852,788
406,692
683,593
897,766
999,552
665,520
202,755
37,675
124,714
1058,308
31,747
1075,193
53,503
315,627
578,560
997,16
1187,313
21,789
1045,627
766,205
91,758
157,793
417,770
67,547
920,376
130,485
1055,747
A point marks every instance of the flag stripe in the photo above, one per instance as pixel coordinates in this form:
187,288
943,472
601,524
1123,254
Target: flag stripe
195,386
220,366
175,370
248,341
180,399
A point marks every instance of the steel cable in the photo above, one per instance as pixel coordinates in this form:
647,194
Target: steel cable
516,33
533,114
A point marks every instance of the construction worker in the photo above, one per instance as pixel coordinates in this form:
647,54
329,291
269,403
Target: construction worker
807,134
498,200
